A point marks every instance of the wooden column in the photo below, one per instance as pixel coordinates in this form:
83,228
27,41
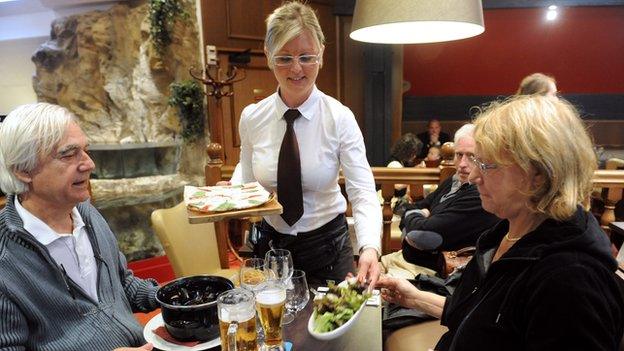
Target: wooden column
387,192
212,174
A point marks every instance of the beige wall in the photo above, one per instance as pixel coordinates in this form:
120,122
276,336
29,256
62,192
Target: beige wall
16,71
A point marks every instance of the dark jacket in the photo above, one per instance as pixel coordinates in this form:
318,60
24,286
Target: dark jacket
460,220
555,289
426,140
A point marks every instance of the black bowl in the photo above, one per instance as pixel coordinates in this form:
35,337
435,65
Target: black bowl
189,306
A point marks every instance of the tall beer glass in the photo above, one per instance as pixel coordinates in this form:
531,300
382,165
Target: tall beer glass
237,320
270,302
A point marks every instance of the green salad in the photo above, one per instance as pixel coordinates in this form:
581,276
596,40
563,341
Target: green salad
338,305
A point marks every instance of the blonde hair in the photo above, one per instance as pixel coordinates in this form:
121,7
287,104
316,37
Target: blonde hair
287,22
547,134
536,83
29,133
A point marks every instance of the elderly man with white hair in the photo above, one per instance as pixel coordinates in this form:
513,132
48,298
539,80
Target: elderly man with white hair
65,285
451,217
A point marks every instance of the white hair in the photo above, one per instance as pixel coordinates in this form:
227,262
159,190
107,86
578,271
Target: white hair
467,130
29,133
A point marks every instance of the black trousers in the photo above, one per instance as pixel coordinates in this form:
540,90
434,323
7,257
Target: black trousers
323,254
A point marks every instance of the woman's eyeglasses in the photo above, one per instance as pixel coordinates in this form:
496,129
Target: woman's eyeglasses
304,60
482,166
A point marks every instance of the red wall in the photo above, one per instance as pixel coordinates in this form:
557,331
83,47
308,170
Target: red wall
583,49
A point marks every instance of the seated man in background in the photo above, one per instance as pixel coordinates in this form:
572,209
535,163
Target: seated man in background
451,217
434,136
65,285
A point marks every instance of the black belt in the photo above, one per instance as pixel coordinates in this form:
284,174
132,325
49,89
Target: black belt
336,223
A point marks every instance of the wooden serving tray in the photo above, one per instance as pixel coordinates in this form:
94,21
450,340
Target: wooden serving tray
268,208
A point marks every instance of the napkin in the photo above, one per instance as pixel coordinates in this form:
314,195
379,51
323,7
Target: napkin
164,334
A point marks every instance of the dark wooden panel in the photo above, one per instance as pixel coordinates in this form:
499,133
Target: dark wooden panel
351,71
423,108
242,26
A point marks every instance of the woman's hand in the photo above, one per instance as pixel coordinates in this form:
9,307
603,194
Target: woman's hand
399,291
368,267
223,183
146,347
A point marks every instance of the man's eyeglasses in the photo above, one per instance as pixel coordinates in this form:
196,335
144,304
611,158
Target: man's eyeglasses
304,60
482,166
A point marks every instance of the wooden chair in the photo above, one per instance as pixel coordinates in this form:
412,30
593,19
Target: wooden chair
191,248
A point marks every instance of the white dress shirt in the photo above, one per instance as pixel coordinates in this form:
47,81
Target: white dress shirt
73,250
329,139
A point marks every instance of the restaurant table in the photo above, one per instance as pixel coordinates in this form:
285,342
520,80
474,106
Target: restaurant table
365,335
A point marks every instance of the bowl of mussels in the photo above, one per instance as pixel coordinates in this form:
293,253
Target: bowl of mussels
189,306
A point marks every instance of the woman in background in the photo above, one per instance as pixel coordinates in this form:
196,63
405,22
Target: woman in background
539,84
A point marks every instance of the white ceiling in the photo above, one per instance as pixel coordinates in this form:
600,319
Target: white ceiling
32,18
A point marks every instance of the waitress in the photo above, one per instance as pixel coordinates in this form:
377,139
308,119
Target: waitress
295,142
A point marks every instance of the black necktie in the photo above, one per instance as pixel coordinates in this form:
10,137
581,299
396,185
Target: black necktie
289,191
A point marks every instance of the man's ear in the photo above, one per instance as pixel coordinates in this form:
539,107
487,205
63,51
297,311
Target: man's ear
24,176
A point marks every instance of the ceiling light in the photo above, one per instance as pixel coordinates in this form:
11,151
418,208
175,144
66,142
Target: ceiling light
416,21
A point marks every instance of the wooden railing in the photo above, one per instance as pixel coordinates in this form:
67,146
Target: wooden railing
415,178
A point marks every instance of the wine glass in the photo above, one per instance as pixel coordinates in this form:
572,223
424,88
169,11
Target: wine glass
297,295
252,273
278,263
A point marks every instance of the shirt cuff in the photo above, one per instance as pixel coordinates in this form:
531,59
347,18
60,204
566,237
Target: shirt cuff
377,249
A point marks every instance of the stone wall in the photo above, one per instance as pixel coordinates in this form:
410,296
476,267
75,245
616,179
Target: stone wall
102,66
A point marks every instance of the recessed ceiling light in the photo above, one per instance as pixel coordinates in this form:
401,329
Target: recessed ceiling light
552,7
551,15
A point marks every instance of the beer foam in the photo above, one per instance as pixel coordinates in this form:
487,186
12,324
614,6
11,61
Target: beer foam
271,296
233,314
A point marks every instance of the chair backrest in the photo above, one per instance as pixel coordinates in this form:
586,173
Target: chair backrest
191,248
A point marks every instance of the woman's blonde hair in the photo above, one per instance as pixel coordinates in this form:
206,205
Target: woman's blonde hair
547,134
536,83
287,22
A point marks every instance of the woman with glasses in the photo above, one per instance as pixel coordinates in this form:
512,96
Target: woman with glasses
543,278
295,142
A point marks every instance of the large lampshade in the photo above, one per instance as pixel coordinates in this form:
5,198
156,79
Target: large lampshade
416,21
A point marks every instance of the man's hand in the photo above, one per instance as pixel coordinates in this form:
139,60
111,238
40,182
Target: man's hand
146,347
368,267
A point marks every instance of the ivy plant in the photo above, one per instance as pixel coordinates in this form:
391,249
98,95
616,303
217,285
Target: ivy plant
163,14
188,97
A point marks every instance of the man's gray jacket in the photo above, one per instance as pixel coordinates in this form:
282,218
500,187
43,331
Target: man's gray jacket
41,308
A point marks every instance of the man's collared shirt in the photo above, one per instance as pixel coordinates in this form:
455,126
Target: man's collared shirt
72,251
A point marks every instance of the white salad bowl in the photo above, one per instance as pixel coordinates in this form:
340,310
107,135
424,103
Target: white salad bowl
336,332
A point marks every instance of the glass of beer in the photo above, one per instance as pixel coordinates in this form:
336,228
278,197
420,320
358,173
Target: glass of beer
237,320
270,302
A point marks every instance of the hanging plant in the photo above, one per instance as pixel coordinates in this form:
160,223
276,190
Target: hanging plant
188,97
163,14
